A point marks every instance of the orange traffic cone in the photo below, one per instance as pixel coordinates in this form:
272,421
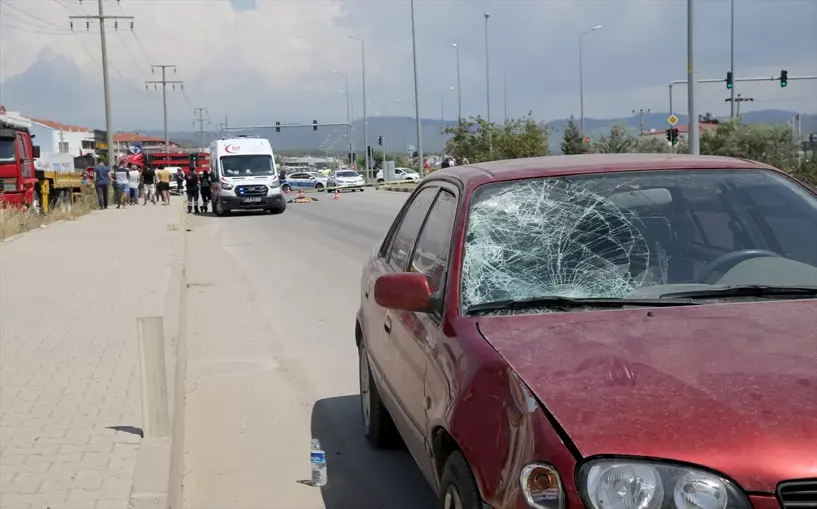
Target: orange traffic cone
337,195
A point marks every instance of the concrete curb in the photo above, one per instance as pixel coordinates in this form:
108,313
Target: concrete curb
157,476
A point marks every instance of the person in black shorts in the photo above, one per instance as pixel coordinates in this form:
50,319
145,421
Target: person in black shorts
192,187
149,184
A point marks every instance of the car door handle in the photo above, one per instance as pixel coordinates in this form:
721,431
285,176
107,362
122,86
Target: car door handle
387,325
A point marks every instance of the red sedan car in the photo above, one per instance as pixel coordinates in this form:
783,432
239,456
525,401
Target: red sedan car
600,331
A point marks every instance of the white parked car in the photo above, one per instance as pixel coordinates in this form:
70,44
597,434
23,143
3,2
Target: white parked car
400,174
346,179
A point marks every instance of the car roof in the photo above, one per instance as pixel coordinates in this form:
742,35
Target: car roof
550,166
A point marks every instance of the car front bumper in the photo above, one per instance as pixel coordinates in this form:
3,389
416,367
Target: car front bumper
240,203
350,185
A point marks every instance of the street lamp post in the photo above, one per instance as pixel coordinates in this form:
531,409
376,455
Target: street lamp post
732,60
348,106
581,73
416,95
442,118
691,83
488,85
459,85
365,120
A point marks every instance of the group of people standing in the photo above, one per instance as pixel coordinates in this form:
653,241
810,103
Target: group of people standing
130,182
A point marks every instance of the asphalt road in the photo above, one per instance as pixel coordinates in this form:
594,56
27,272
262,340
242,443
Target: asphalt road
272,360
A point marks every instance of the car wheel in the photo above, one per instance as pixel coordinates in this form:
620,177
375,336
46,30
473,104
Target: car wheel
379,428
218,208
458,488
285,188
318,187
279,210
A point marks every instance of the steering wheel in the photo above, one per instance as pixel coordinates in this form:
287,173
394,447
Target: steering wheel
725,262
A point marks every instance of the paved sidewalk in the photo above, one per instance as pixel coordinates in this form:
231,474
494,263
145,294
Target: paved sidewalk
69,378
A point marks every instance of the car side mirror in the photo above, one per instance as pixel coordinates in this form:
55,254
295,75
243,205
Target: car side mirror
404,291
35,151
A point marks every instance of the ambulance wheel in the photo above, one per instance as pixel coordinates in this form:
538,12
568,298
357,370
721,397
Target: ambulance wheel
278,210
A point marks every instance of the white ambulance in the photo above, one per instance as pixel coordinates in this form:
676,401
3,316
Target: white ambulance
244,176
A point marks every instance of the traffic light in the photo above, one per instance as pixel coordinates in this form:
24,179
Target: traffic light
672,135
784,78
314,125
277,127
370,150
729,82
380,140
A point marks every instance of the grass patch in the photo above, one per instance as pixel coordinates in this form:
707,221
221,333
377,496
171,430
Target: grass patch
14,221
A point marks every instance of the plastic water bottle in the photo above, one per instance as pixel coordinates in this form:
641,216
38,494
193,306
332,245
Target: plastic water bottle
317,458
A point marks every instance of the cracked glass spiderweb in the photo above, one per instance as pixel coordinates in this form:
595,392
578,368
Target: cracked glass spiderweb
550,237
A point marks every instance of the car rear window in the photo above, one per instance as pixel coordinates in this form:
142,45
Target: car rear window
613,234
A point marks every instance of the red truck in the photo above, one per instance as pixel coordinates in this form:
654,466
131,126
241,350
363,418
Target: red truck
22,182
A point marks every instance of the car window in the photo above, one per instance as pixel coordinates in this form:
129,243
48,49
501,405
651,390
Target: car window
431,250
633,234
410,226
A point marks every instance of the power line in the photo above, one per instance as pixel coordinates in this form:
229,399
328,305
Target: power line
165,82
31,15
58,2
41,32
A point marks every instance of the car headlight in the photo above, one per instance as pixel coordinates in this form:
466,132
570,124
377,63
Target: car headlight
275,184
542,487
226,186
639,484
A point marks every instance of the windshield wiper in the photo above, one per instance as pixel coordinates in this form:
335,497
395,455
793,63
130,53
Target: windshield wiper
570,302
745,291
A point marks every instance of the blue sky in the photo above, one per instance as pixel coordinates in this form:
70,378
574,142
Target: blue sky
259,61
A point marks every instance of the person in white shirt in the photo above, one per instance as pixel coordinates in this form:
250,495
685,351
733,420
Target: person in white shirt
133,184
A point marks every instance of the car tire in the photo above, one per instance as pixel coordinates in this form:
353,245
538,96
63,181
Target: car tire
286,188
377,423
218,208
279,210
319,188
458,488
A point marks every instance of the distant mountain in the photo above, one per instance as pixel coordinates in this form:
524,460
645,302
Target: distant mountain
399,132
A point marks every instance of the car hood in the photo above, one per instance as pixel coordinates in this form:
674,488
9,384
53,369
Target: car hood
732,387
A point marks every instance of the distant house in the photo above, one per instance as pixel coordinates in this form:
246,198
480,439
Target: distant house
54,137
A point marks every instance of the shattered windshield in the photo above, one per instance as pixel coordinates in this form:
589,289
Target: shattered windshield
636,234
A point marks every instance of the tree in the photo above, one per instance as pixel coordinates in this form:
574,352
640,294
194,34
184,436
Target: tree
572,140
651,145
478,141
618,141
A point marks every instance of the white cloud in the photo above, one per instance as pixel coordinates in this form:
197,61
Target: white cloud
272,63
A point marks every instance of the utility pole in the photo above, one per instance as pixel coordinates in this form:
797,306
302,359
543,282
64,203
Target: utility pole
164,82
201,114
736,102
693,133
641,122
106,81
